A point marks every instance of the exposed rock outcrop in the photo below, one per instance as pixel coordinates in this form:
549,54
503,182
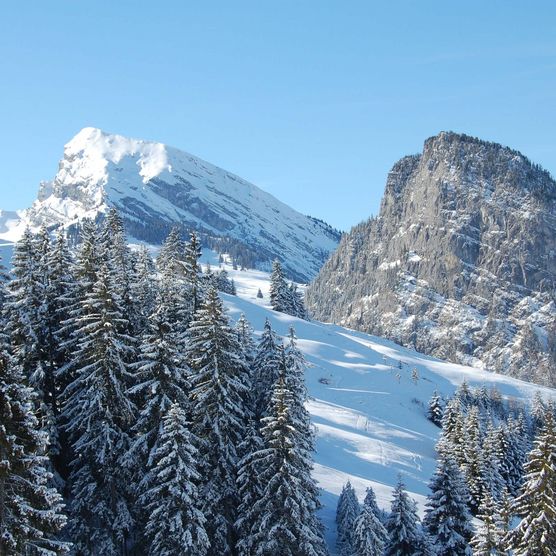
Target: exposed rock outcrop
460,263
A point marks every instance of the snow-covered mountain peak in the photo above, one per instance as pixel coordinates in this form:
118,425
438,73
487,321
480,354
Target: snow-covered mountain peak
155,187
92,155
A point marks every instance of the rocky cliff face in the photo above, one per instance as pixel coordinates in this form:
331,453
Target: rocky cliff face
155,187
460,263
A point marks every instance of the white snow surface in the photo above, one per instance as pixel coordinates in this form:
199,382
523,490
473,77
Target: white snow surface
369,414
153,184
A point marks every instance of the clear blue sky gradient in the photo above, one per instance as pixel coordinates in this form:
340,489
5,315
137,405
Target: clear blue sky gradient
311,100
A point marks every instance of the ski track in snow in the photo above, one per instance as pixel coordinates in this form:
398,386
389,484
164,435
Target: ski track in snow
369,415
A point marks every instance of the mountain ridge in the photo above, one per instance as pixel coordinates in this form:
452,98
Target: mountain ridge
155,186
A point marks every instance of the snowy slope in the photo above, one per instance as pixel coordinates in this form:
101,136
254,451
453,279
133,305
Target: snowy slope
370,415
155,186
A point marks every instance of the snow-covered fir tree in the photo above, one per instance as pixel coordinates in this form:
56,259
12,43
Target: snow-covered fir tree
347,512
224,284
160,378
464,394
98,414
283,297
249,487
402,525
435,409
89,257
513,452
488,538
447,518
285,522
172,254
538,411
490,464
279,292
472,450
118,258
245,336
295,374
452,438
4,278
143,289
369,535
24,303
535,535
219,417
192,269
370,501
31,515
266,368
34,312
296,306
172,501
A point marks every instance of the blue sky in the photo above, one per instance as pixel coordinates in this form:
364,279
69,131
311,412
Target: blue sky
313,101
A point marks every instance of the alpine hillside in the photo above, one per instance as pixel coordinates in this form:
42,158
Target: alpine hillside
155,187
460,262
368,400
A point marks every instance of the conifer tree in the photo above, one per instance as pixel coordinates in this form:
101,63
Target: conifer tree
98,414
435,410
224,284
59,294
369,536
172,501
295,372
25,294
244,333
245,336
296,305
4,278
90,257
370,501
490,464
218,391
118,258
279,291
32,320
452,438
30,510
285,521
535,535
172,254
513,446
84,275
402,525
487,539
192,269
346,514
505,515
143,289
159,381
447,519
249,487
464,394
472,450
266,368
538,411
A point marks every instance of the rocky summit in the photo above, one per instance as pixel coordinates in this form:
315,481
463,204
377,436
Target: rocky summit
460,262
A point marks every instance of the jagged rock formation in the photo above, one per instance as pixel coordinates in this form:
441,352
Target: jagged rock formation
460,263
155,187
